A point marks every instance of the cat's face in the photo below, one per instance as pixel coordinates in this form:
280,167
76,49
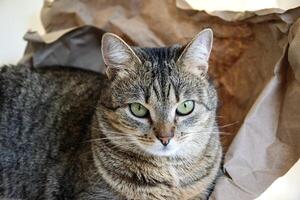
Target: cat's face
162,103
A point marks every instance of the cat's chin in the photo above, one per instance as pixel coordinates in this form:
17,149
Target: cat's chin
164,152
159,150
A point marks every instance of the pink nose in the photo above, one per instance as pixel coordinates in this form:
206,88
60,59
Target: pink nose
165,140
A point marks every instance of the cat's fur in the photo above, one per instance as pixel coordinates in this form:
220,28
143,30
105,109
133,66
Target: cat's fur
67,134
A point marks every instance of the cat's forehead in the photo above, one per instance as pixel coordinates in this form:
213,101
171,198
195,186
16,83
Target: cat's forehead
159,64
157,79
159,56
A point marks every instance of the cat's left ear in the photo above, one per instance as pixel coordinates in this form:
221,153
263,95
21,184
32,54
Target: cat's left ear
117,55
194,57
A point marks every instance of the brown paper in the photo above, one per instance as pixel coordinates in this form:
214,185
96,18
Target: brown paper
254,63
232,10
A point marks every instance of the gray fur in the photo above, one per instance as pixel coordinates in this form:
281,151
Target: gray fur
159,79
44,139
67,134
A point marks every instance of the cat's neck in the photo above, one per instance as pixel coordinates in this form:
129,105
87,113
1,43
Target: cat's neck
122,169
129,172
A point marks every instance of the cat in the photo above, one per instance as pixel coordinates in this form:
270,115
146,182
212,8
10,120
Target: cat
145,130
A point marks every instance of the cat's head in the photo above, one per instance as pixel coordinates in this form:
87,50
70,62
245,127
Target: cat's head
162,103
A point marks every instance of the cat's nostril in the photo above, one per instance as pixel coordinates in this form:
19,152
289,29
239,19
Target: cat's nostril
165,140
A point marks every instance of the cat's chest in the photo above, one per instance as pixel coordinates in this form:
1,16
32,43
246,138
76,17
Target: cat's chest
160,183
174,176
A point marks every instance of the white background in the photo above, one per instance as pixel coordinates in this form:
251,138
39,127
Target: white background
16,17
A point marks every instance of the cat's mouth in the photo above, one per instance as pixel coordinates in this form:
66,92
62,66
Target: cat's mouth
158,149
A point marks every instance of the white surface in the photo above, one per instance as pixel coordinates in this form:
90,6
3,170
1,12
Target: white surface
286,187
16,17
242,5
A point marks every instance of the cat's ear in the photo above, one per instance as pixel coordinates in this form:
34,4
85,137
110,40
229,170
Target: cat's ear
117,55
194,57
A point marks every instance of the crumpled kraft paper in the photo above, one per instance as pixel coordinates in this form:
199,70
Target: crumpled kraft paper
233,10
254,63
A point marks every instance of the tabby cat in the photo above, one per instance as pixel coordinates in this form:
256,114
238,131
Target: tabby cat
146,130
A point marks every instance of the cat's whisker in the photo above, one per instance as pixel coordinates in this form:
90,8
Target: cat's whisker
123,134
201,131
117,147
230,124
114,132
101,139
222,126
210,132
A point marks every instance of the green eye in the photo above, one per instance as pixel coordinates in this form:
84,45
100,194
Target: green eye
185,108
138,110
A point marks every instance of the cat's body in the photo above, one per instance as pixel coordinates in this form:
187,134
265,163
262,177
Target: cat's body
44,138
69,134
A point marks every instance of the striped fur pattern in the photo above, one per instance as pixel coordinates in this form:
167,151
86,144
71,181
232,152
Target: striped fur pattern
126,151
69,134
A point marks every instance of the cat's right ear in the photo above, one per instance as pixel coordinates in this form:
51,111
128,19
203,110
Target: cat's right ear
194,57
117,55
